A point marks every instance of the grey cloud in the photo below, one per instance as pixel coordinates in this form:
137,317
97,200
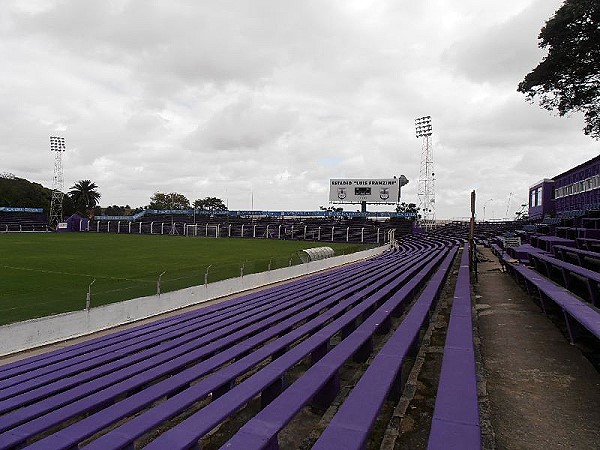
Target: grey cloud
243,124
501,53
276,97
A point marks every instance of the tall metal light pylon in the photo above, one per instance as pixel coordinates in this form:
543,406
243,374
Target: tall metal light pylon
57,144
426,186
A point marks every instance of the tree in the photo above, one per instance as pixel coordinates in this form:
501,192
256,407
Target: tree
173,200
84,196
568,78
116,210
333,209
409,208
210,204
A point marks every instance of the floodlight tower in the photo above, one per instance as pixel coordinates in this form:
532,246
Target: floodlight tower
57,144
426,187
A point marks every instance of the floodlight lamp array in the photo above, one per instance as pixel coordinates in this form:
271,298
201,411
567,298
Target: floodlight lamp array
57,144
423,126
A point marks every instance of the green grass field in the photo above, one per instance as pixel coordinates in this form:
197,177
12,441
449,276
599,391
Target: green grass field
48,273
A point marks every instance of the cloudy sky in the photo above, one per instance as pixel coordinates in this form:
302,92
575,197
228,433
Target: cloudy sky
266,100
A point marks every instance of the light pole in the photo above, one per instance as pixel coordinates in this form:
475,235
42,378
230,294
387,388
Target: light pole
57,144
484,205
426,186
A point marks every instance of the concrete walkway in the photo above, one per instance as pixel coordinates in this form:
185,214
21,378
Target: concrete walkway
543,393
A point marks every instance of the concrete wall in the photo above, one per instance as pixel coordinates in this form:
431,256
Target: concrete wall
33,333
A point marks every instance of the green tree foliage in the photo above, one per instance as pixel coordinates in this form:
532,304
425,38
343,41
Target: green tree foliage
568,78
331,209
173,200
210,204
84,195
20,193
116,210
409,208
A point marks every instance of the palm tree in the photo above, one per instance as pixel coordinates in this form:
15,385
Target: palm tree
84,195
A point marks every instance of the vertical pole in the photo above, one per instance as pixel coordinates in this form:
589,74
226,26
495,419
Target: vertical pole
206,276
158,284
140,227
88,297
472,230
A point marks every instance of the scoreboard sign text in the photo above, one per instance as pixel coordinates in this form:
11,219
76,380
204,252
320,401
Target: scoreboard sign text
357,190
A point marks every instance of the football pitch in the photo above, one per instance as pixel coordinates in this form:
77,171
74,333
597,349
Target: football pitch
49,273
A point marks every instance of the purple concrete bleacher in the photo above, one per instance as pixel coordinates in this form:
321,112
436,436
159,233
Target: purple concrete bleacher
455,423
588,244
351,425
111,391
23,221
547,265
521,253
319,384
547,242
591,222
231,398
583,258
75,402
574,233
578,314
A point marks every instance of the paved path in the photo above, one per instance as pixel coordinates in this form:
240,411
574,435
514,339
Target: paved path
543,393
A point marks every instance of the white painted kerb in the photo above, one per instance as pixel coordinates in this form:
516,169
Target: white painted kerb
33,333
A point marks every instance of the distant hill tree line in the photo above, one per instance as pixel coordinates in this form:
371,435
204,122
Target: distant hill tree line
83,198
20,193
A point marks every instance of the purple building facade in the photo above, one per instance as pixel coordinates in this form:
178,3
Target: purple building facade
541,196
568,194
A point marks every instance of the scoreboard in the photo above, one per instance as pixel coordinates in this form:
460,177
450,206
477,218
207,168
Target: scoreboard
370,190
